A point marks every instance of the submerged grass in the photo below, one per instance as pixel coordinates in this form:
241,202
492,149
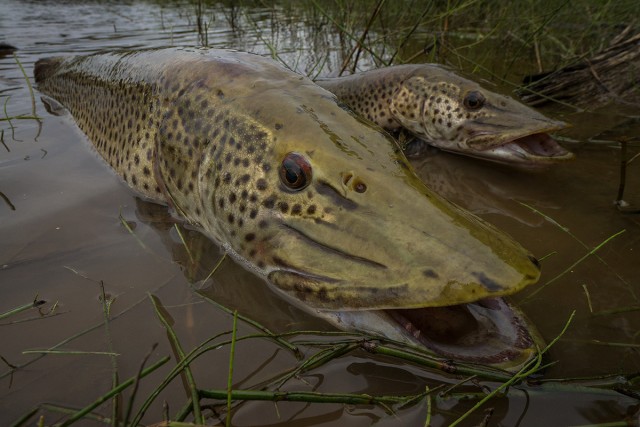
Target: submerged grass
270,390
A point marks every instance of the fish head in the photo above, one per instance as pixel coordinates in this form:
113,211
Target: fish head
458,115
343,223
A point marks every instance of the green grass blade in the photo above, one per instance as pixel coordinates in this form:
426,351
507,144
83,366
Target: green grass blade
166,321
231,359
117,390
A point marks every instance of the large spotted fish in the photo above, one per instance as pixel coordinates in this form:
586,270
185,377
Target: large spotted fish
447,111
297,189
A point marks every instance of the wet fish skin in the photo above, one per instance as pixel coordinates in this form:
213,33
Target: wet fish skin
450,112
207,132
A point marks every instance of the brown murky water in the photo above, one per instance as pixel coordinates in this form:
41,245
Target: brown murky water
61,236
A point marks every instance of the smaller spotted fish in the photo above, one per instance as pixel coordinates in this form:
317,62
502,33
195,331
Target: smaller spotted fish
298,190
454,114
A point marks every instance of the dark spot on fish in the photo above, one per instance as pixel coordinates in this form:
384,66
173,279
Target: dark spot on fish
261,184
311,209
231,218
220,94
296,209
278,126
485,281
269,202
249,237
430,273
232,198
535,261
284,207
253,213
226,178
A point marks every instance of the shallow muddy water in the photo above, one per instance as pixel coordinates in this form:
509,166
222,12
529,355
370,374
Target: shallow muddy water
63,237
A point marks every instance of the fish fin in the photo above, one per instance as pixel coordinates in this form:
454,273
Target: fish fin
53,107
45,67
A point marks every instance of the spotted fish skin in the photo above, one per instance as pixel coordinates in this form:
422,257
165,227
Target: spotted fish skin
210,131
450,112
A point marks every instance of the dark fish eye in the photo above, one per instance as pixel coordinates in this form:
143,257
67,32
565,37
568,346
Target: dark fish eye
295,171
474,100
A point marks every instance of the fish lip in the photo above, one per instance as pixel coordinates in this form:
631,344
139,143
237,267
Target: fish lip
496,332
533,147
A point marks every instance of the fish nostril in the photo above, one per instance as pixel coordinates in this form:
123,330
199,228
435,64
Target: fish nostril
346,178
535,261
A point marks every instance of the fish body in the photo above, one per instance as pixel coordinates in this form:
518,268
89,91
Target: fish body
450,112
297,189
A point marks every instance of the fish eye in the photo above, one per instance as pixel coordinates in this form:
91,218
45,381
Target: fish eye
474,100
295,171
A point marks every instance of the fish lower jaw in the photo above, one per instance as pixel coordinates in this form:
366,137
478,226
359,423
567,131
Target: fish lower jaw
488,332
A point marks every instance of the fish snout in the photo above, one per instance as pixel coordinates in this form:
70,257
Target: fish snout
395,247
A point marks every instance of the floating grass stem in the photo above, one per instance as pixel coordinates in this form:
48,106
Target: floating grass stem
72,352
231,359
572,266
28,81
34,304
115,391
427,421
215,268
302,396
167,322
106,310
483,372
184,243
26,417
127,226
136,384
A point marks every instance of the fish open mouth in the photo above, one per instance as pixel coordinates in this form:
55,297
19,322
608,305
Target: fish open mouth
539,145
530,150
488,332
